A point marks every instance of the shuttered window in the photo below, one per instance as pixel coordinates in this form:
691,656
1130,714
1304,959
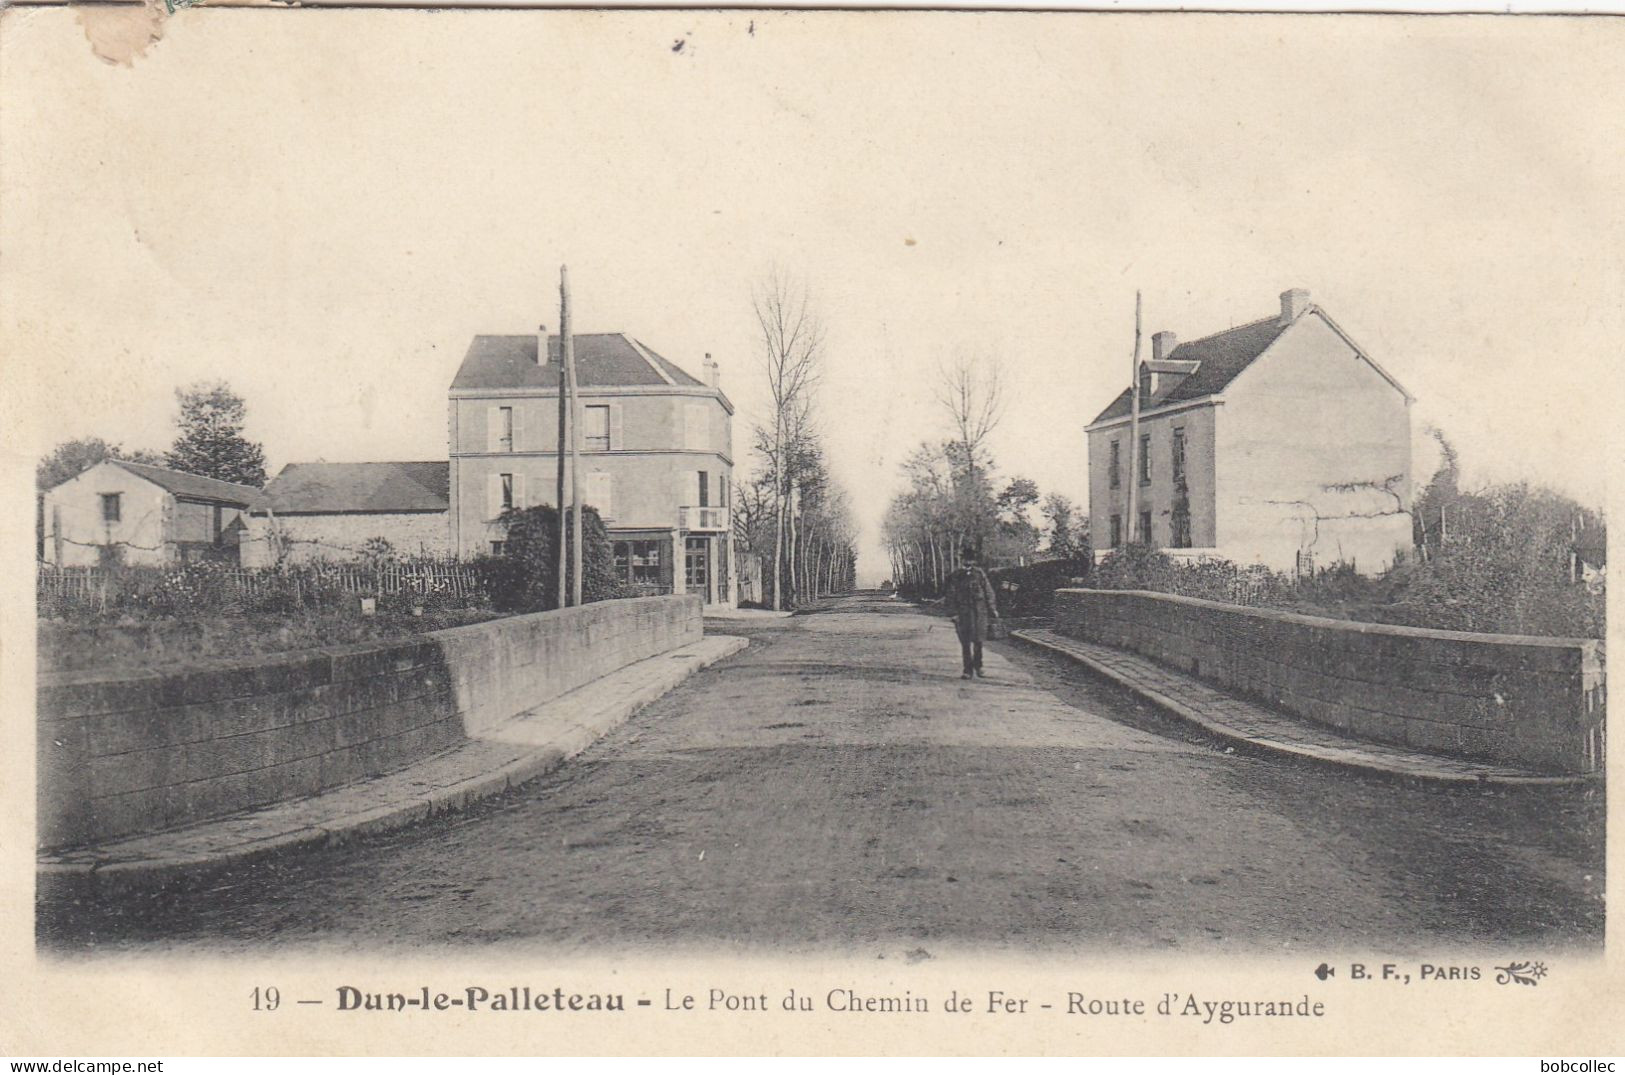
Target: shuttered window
499,429
595,428
504,492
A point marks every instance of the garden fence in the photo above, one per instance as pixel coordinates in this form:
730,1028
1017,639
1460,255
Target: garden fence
86,584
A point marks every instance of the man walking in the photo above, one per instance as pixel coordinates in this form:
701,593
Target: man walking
970,601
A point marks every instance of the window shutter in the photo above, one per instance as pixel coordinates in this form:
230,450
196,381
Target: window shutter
493,495
514,447
520,500
686,483
697,428
615,444
493,429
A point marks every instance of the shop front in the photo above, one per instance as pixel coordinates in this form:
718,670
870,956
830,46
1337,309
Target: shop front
665,561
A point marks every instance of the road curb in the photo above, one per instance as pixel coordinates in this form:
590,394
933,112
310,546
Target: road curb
1348,759
58,878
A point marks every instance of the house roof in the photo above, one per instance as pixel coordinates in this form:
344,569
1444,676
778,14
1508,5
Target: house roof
194,486
606,359
1222,355
336,488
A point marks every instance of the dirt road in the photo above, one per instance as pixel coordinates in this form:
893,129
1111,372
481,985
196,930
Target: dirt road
838,785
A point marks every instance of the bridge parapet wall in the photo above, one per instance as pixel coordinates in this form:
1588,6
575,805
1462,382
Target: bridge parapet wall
119,755
1537,703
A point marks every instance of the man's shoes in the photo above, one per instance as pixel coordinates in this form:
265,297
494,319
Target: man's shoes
964,675
980,674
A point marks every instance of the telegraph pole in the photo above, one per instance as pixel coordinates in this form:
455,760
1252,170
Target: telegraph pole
1133,477
564,425
567,350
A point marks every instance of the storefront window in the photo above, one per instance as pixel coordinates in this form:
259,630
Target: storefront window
638,561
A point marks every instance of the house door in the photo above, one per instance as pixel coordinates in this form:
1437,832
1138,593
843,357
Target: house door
696,567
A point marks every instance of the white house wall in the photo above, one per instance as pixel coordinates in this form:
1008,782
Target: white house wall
342,536
646,422
75,506
644,488
1305,418
1159,495
650,470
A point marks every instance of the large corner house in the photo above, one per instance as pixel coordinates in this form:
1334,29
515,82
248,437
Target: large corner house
1280,442
656,461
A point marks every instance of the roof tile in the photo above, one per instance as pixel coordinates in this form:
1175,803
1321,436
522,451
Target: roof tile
191,485
607,359
337,488
1222,355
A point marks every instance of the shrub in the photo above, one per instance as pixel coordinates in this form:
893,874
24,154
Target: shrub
1135,567
1506,569
524,576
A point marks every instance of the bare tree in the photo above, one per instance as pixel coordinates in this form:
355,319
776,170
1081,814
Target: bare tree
792,344
971,389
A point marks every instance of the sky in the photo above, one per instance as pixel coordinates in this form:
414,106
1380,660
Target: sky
323,208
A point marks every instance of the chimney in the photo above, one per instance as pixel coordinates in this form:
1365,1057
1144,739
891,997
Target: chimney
1162,345
1293,302
713,375
541,345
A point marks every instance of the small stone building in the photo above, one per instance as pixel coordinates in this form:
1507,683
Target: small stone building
136,513
331,511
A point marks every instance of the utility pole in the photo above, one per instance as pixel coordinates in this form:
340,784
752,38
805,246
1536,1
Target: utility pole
564,427
542,360
567,350
1132,479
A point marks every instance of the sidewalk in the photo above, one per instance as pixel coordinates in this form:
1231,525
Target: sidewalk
1253,727
529,745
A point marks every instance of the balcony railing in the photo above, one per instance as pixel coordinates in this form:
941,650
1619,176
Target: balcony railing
703,520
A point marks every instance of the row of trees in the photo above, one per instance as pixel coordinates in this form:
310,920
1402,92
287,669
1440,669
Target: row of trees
954,497
209,442
792,518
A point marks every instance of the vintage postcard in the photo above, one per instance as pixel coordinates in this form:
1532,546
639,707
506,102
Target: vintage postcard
762,531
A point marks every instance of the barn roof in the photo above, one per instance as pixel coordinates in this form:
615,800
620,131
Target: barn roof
192,486
338,488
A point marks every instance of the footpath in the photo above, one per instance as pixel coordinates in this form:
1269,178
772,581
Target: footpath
521,749
1248,726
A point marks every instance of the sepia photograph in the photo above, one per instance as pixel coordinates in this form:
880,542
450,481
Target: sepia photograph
675,519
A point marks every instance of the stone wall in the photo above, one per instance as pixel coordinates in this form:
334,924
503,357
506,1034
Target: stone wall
344,535
1537,703
118,756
